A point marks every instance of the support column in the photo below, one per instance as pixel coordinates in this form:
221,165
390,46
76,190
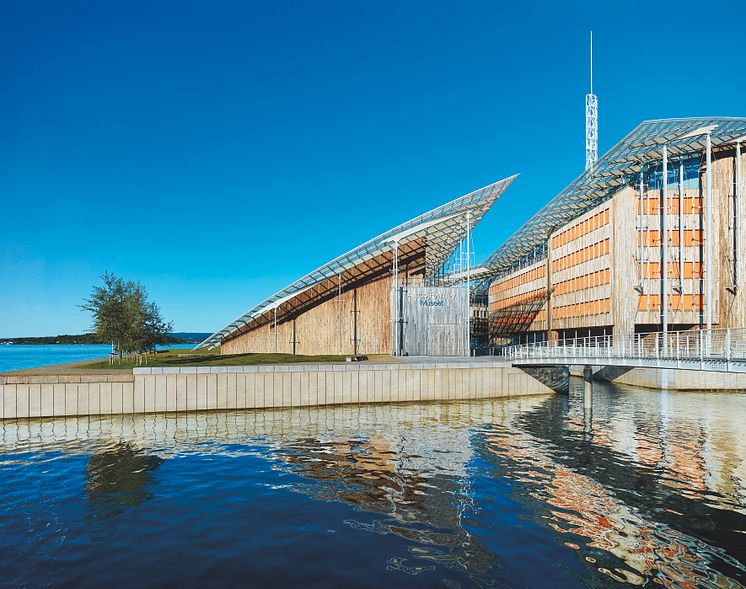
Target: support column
354,323
664,248
681,229
468,283
708,240
395,301
736,210
587,387
340,320
551,334
275,327
641,233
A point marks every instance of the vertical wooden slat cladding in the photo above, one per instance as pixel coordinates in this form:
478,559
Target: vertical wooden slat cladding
598,279
324,321
328,328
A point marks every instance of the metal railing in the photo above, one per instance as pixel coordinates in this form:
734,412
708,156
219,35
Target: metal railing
721,349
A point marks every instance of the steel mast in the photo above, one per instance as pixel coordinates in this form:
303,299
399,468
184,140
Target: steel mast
591,122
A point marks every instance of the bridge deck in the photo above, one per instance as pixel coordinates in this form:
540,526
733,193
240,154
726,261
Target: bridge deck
717,350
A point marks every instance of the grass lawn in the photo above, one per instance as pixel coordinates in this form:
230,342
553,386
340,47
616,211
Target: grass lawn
183,357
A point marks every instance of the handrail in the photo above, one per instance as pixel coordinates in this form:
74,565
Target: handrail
724,345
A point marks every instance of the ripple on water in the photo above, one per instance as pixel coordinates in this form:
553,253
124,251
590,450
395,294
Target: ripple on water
649,489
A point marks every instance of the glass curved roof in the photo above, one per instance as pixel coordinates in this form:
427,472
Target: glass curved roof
434,235
613,170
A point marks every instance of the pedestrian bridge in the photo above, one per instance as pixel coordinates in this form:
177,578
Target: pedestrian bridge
715,350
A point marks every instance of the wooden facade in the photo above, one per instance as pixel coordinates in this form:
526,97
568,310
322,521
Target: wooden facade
603,271
356,322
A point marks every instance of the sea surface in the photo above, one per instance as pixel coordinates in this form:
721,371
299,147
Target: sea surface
648,490
18,357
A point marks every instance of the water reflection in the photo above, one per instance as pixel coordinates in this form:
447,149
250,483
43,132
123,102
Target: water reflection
118,477
648,488
659,483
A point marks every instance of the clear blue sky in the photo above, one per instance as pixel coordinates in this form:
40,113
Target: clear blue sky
216,151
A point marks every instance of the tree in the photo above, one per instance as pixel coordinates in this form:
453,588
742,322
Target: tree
123,315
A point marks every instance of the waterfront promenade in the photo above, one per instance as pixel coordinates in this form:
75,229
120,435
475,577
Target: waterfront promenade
195,388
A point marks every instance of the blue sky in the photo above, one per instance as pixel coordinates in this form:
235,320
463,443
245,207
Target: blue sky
216,151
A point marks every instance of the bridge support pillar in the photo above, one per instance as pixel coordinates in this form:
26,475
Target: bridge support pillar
587,387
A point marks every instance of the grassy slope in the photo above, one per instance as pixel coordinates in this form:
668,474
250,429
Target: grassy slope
204,358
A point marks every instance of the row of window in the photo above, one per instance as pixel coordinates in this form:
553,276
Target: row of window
578,230
586,281
684,302
597,307
653,270
510,323
524,297
652,238
652,206
590,252
522,278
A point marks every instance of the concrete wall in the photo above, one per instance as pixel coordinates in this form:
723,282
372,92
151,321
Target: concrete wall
152,390
54,396
679,380
668,379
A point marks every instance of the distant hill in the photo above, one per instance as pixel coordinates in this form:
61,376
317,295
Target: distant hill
189,337
181,337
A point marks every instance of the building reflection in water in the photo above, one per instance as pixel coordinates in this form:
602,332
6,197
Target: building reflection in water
663,450
604,483
406,464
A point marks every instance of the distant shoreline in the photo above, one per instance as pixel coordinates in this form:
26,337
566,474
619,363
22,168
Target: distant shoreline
90,338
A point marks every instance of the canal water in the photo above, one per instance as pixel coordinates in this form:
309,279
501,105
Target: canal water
532,492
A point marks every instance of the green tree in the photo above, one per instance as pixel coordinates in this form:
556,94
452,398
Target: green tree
123,315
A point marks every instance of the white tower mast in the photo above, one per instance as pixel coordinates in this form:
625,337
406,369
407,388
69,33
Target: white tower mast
591,122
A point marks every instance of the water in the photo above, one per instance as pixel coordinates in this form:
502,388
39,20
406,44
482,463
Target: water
18,357
648,490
